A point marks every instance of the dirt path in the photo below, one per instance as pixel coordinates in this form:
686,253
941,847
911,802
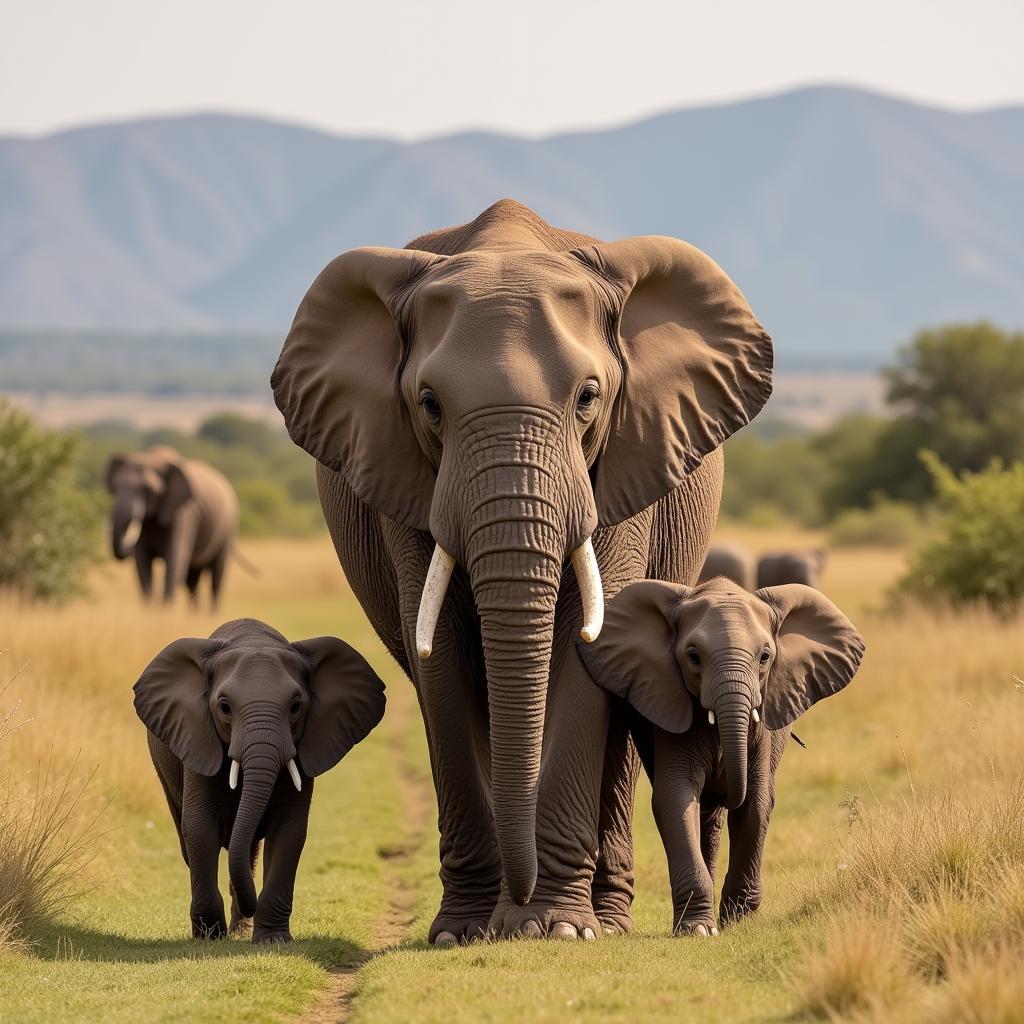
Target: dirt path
335,1003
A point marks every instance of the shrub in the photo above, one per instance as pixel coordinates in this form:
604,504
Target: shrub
49,527
888,524
976,553
44,845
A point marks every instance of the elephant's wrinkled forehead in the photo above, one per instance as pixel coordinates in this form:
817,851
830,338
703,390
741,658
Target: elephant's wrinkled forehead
725,615
249,661
511,325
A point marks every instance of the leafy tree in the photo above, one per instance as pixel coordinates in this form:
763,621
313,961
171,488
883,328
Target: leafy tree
958,391
976,553
49,528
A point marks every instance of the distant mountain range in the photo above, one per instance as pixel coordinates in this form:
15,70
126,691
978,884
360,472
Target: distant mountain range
849,219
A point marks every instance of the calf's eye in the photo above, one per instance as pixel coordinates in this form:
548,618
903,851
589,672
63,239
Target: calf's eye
225,707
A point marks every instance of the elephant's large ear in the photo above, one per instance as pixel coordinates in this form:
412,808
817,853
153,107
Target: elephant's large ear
634,656
337,381
177,491
819,652
696,363
172,697
346,700
114,467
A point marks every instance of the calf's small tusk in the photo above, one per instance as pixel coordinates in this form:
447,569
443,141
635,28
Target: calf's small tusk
293,771
711,717
755,715
442,565
233,776
588,575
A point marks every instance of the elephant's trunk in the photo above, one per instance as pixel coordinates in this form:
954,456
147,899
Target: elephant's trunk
262,759
732,713
126,522
516,591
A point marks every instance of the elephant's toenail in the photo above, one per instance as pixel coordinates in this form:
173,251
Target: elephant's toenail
531,930
588,935
446,939
700,930
563,930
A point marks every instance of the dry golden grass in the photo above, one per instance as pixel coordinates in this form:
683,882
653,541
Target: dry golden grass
912,890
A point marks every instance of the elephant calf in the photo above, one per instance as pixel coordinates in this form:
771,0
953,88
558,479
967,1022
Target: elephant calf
751,663
780,567
225,716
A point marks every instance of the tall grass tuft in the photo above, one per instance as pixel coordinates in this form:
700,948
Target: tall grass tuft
45,843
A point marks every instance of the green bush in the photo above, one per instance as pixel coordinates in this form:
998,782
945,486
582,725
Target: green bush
976,553
889,524
50,530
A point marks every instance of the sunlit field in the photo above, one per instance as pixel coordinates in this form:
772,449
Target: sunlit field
894,869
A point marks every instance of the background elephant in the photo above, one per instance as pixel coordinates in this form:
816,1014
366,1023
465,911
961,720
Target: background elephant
175,509
733,561
778,568
496,401
719,676
242,705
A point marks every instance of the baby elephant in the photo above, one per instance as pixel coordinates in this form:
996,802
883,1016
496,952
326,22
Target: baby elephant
719,676
225,717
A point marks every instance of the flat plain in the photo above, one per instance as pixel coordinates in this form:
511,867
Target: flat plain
894,867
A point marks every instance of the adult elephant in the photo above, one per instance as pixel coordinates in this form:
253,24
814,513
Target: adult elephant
487,404
781,567
733,561
181,511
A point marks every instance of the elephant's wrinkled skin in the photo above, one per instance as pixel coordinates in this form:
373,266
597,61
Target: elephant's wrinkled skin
781,567
177,510
225,716
507,390
733,561
718,676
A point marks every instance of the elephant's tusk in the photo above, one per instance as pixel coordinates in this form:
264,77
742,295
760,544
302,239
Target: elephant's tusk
584,561
233,776
293,771
134,528
442,565
755,715
711,717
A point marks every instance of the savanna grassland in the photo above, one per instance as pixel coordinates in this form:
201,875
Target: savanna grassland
894,869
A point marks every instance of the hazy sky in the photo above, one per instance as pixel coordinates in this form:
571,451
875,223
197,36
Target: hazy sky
420,67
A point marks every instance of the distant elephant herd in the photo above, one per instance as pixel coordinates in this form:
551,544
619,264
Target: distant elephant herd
517,432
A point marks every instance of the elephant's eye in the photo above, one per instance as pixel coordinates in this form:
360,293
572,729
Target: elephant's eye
693,657
225,707
587,401
430,405
296,707
765,656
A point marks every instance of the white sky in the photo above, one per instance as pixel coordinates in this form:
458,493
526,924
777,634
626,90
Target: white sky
421,67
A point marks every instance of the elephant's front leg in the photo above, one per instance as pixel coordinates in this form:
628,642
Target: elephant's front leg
568,806
286,836
679,779
453,701
612,889
181,543
748,828
202,842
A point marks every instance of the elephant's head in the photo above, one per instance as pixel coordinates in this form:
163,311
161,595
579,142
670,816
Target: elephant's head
766,656
150,485
510,400
249,697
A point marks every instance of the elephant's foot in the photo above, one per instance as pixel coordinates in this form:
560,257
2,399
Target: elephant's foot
703,926
613,909
452,929
240,927
261,936
736,905
540,919
693,913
